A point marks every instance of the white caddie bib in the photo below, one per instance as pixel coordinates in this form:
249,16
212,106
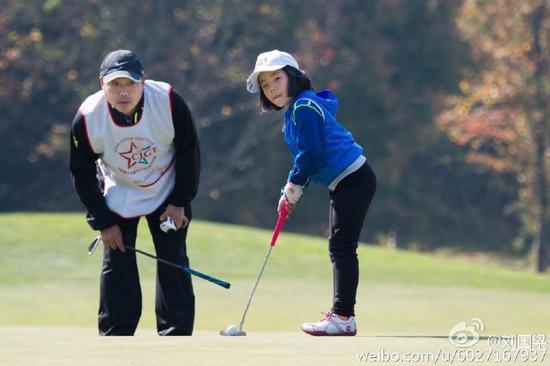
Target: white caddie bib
137,161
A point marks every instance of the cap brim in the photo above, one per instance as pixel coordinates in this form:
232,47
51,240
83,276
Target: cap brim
121,74
252,84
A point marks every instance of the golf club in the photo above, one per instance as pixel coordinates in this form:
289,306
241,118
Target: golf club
97,239
232,330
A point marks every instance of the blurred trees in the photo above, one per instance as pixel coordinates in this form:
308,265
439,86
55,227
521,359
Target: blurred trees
502,115
396,66
390,61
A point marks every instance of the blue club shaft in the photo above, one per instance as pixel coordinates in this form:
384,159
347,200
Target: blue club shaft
184,268
97,239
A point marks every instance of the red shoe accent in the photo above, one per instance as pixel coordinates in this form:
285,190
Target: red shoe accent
325,334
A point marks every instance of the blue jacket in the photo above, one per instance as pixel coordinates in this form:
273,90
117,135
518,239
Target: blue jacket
321,147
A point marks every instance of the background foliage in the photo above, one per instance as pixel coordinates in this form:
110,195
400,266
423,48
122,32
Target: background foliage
442,95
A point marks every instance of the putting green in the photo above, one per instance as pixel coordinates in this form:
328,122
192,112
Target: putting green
407,302
78,346
382,309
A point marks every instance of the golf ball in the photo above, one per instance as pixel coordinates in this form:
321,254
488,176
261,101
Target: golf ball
231,330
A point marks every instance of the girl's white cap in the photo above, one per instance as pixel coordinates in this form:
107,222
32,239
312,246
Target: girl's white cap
269,61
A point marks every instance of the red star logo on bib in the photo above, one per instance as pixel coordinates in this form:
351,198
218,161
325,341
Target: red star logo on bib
140,153
130,155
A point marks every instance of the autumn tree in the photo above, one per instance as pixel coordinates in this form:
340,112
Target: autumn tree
502,117
389,61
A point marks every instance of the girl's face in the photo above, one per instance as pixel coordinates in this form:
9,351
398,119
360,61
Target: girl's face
124,94
274,84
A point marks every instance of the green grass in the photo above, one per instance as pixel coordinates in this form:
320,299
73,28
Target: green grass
52,247
47,279
77,346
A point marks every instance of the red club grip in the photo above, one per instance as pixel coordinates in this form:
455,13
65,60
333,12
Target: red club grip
279,226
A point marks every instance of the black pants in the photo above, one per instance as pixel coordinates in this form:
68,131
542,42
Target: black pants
349,204
120,291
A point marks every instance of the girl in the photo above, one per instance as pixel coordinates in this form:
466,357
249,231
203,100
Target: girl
326,153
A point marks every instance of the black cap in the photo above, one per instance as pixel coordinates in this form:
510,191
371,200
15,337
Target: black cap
121,64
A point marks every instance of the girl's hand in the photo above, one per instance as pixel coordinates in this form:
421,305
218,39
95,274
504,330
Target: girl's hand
292,192
285,205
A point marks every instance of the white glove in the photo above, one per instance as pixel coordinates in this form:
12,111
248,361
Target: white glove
292,192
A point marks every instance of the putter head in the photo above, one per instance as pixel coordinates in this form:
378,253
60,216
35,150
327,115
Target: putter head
238,333
93,245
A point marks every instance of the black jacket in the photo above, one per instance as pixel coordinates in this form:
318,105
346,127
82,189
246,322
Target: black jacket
85,175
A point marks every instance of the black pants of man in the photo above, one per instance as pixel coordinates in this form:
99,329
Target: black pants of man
120,291
349,203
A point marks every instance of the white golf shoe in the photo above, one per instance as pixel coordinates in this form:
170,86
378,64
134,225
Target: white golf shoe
331,325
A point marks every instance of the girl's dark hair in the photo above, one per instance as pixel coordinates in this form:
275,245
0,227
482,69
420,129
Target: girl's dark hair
297,82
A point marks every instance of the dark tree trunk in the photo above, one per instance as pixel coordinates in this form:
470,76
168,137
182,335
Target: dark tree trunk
540,121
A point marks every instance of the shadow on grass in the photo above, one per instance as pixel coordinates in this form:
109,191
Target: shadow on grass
481,338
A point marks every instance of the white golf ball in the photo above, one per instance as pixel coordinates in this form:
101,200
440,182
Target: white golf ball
231,330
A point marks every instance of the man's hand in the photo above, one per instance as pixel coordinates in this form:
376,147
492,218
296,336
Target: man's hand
178,214
285,205
112,236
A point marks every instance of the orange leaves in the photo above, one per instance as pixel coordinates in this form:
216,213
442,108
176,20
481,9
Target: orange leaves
12,54
319,37
489,161
502,116
492,141
493,125
491,117
35,36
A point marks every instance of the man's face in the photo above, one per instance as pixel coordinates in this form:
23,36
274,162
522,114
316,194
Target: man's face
123,94
274,84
